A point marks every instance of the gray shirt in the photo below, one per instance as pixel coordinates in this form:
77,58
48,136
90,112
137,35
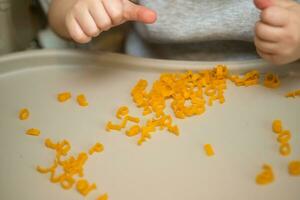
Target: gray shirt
197,30
182,21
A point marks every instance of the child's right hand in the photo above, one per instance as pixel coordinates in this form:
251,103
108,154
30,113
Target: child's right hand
88,18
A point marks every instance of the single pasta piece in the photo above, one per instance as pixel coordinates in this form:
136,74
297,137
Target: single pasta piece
124,123
294,168
67,182
24,114
266,176
46,170
284,137
129,118
271,81
33,132
221,71
63,147
82,184
221,99
122,111
54,178
210,91
285,149
50,144
179,114
132,119
43,170
293,94
141,141
110,126
251,82
290,94
103,197
174,130
133,131
98,147
209,150
277,126
64,96
146,111
83,187
167,121
82,101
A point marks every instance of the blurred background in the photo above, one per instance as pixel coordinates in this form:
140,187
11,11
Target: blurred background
23,26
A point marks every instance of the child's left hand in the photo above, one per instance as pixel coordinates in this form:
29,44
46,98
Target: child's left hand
277,34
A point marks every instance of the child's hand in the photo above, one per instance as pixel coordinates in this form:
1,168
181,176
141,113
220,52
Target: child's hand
88,18
277,34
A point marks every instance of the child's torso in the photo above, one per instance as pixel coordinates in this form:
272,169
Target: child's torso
200,20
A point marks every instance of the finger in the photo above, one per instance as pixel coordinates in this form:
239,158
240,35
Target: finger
263,4
273,58
100,16
266,56
75,30
275,16
133,12
267,32
265,46
114,9
87,23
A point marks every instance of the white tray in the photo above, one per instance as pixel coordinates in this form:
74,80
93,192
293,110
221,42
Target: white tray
165,168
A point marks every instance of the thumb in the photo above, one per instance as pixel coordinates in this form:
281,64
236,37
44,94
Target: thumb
263,4
133,12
